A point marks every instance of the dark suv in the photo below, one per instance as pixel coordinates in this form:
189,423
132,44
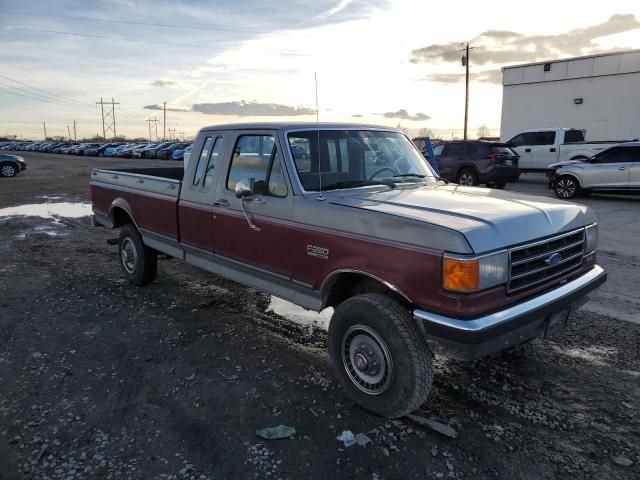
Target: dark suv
472,162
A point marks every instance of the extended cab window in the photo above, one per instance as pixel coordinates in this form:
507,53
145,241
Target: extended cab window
202,160
257,157
573,136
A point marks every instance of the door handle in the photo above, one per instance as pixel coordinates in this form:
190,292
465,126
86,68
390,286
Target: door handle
223,202
552,149
259,201
622,168
527,150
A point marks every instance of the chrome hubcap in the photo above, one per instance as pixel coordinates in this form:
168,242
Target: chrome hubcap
367,360
565,188
128,255
8,171
466,179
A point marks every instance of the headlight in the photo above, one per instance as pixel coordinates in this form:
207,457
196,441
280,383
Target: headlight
468,274
590,238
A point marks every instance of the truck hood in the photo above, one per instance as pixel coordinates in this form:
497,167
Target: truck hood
489,219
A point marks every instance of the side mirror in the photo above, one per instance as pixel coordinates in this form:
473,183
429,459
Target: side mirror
245,187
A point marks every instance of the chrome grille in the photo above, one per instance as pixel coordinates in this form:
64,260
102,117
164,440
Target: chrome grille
544,260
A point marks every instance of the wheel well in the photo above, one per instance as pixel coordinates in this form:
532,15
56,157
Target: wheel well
120,217
345,285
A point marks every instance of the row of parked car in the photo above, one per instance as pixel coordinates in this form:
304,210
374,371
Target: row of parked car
163,151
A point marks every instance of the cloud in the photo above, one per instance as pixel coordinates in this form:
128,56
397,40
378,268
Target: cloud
332,11
251,109
170,108
165,83
486,76
356,115
502,46
402,114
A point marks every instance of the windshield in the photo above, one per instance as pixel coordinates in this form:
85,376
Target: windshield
352,158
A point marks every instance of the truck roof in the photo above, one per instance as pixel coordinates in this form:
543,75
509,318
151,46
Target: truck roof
298,125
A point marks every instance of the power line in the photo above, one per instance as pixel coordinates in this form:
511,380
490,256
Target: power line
38,99
44,91
152,42
132,22
40,96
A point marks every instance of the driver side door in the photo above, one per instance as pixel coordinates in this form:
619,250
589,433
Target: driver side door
266,245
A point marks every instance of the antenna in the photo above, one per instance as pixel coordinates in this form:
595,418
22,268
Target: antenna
315,78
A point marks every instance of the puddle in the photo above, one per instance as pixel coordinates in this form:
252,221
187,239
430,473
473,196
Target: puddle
48,230
299,315
47,210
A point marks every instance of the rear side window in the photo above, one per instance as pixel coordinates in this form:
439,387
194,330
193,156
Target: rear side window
454,149
471,148
202,161
502,150
573,136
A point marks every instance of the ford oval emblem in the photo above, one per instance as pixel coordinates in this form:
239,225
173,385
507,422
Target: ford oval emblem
553,259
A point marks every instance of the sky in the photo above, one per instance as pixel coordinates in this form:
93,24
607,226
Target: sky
387,62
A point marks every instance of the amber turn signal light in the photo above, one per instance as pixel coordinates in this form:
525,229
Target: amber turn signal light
461,275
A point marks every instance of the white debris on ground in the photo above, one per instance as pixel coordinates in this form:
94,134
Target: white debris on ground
299,315
47,210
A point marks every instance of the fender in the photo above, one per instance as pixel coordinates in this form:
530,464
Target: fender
326,283
124,205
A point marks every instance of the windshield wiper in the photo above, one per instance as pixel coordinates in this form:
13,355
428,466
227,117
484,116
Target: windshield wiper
412,175
356,183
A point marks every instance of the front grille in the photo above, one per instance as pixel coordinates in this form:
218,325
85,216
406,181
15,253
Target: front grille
541,261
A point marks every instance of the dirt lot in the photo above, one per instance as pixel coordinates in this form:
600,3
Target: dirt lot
102,380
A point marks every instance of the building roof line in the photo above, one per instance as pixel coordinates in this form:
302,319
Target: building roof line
583,57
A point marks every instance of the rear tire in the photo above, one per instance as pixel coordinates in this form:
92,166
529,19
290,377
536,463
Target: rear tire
467,177
139,263
566,187
381,358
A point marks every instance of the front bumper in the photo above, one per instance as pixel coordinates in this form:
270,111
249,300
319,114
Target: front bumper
471,339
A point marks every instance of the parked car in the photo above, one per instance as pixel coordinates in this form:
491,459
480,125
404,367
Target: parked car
472,162
615,170
179,153
139,152
152,151
540,148
410,264
128,150
167,152
11,165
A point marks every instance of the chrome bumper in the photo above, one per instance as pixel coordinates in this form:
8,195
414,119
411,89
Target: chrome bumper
469,339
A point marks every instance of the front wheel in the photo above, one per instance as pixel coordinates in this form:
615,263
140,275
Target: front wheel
8,170
139,263
566,187
380,356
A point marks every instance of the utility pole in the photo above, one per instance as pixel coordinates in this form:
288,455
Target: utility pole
155,121
108,117
44,125
164,123
69,131
182,135
172,134
465,63
75,137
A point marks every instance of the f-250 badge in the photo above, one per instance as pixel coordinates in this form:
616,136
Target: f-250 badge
319,252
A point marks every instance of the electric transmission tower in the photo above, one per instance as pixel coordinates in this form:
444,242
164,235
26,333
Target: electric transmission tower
155,121
108,117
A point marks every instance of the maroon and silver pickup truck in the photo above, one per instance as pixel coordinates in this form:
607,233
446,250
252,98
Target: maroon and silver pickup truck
353,217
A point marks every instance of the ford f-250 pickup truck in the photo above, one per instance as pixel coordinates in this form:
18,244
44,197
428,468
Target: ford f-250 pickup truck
353,217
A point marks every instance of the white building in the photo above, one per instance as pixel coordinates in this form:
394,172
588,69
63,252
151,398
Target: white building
599,93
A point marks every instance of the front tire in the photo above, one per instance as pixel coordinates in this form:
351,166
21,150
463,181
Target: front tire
566,187
381,358
7,170
139,263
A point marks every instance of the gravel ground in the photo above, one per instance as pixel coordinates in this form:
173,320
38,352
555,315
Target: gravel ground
102,380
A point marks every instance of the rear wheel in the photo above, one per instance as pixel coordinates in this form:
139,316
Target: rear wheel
7,170
139,263
380,356
468,177
566,187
